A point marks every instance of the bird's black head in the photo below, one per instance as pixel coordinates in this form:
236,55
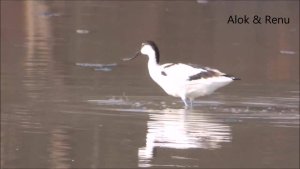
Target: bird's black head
154,48
147,48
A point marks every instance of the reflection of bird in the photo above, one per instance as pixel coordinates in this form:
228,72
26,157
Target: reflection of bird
181,80
181,129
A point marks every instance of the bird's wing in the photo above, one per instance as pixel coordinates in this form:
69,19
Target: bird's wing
187,72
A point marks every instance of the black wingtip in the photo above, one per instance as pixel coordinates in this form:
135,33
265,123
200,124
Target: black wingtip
236,78
232,77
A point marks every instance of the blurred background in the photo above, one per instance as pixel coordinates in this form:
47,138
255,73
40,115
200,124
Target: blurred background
67,99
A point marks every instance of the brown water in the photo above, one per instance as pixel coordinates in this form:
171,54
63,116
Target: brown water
67,100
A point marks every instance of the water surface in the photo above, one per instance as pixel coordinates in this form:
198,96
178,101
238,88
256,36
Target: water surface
68,101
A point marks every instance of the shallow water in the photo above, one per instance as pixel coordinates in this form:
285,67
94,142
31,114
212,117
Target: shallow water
68,100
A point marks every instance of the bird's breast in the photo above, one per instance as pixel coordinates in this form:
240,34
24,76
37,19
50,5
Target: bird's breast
169,84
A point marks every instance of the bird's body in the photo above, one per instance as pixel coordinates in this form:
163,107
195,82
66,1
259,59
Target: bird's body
182,80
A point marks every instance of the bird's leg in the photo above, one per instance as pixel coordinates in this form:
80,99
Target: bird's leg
191,102
185,102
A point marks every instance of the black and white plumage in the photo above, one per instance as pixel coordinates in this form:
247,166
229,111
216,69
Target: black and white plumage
182,80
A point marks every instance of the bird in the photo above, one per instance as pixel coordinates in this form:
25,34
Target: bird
185,81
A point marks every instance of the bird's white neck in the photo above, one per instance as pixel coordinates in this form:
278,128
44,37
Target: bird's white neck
153,68
152,61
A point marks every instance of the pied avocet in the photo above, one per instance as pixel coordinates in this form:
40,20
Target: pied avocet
182,80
